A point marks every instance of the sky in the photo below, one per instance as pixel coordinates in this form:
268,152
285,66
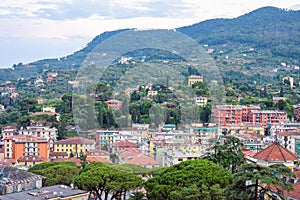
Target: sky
36,29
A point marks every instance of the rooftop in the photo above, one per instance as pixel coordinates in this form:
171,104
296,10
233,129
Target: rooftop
10,175
51,192
31,158
125,144
275,152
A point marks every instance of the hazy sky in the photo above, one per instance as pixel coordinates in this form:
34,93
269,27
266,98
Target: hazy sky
34,29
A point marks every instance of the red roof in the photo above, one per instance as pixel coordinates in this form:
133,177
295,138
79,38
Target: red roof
75,140
287,133
275,152
125,144
7,161
31,158
58,154
9,127
97,159
96,152
136,157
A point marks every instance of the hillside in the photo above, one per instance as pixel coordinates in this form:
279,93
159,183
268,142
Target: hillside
263,38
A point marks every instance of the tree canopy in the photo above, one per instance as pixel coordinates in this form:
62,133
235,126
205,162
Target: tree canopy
194,179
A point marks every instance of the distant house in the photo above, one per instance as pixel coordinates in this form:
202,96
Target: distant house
13,180
49,79
194,79
134,156
114,104
121,145
152,93
168,127
8,131
54,192
200,101
288,79
30,160
74,145
276,99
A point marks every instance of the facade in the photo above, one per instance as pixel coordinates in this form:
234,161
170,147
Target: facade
297,113
114,104
55,192
289,140
200,101
152,93
13,180
74,145
8,131
290,80
40,131
105,137
18,146
194,79
232,114
266,117
121,145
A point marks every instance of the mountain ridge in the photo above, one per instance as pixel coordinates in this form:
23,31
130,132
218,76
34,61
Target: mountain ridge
273,30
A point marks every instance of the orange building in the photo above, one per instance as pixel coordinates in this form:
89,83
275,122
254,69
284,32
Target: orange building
26,146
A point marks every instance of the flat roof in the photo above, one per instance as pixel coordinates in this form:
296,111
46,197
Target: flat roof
50,192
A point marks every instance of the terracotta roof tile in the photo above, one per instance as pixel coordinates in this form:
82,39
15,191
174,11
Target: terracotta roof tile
287,133
97,159
275,152
31,158
58,154
125,144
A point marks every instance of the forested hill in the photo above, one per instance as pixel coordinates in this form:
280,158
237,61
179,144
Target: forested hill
273,33
272,29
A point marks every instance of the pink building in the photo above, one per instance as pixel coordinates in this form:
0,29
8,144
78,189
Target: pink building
265,117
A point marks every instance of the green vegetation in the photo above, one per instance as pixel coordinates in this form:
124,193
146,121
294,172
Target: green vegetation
56,173
198,179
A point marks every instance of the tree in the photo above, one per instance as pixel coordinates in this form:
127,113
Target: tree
56,173
193,179
137,196
102,180
228,155
252,182
28,104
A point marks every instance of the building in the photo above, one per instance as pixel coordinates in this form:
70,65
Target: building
2,109
49,109
276,99
30,160
288,140
55,192
134,156
106,137
17,146
200,101
297,113
114,104
97,156
152,93
194,79
289,79
8,131
266,117
275,154
121,145
168,127
74,145
40,131
13,180
232,114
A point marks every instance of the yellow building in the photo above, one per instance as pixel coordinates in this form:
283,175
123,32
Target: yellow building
194,79
74,145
